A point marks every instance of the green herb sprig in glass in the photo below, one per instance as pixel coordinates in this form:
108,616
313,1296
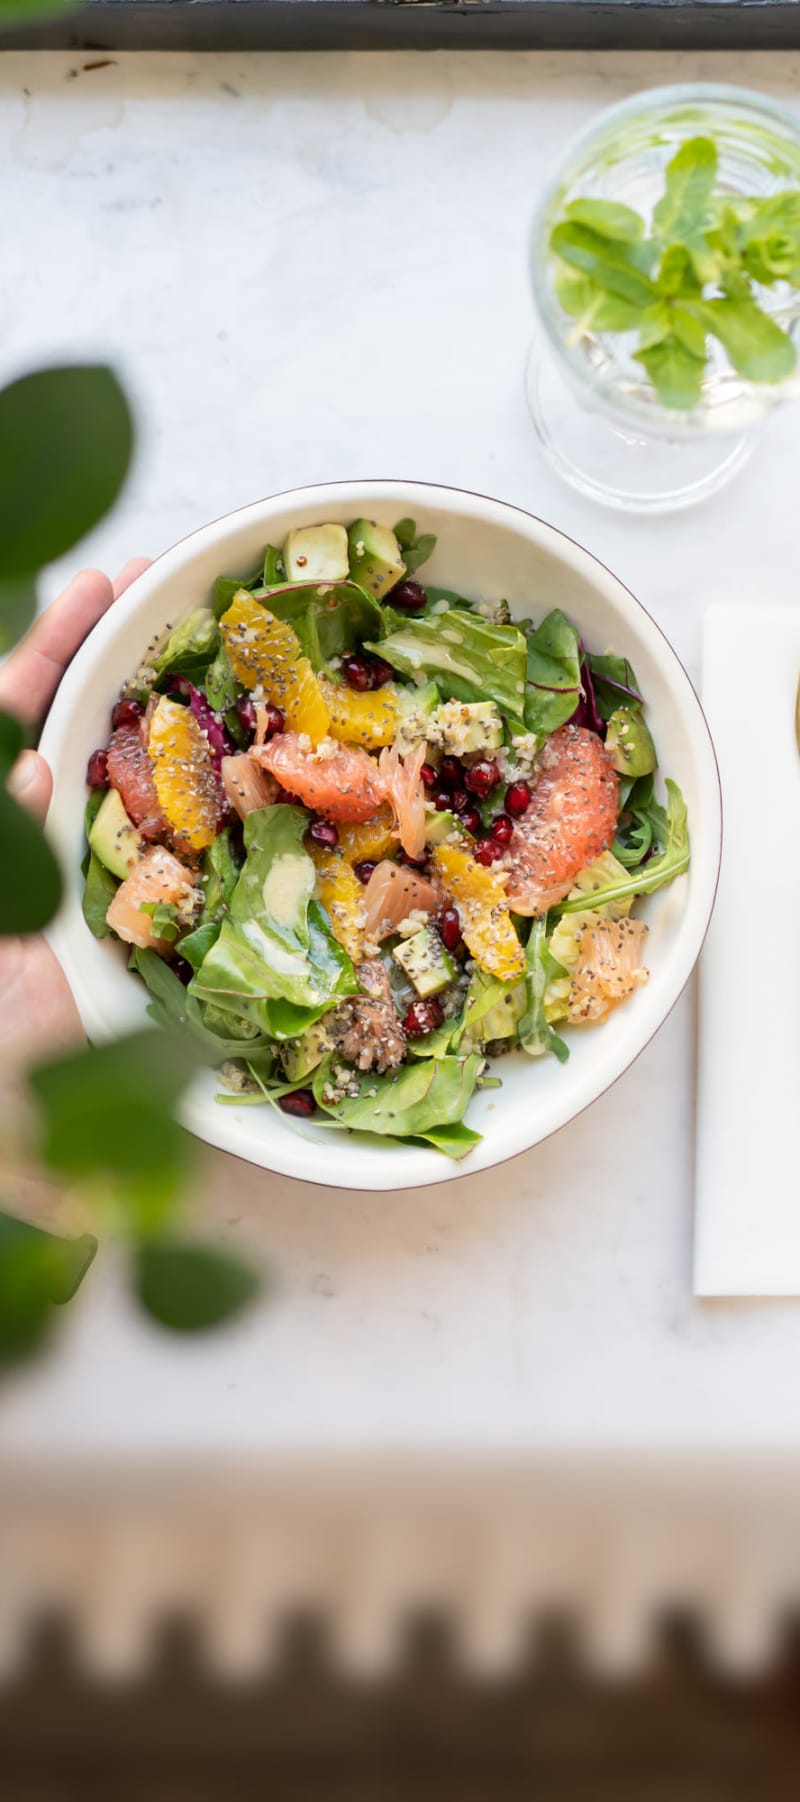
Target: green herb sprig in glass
695,276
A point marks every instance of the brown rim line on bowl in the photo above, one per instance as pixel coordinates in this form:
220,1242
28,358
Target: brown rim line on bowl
486,549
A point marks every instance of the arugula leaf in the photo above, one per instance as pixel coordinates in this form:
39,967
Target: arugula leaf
467,657
165,918
221,685
455,1141
274,567
219,879
99,891
553,674
173,1006
643,822
674,860
415,550
690,177
607,217
535,1035
411,1101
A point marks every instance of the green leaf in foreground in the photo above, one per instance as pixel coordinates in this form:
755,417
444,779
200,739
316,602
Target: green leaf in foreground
188,1287
30,891
38,1271
65,444
17,609
107,1114
674,860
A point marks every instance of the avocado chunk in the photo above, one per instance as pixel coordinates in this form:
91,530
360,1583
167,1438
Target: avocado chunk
114,838
316,554
302,1055
502,1019
440,826
461,727
376,560
417,707
426,962
630,744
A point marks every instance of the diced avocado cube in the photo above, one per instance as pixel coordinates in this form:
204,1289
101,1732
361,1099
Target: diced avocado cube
317,554
375,557
439,827
417,707
426,962
302,1055
461,727
114,838
630,743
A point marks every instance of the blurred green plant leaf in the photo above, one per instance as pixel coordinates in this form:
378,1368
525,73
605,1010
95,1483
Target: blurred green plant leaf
189,1287
107,1114
17,607
38,1272
66,437
30,891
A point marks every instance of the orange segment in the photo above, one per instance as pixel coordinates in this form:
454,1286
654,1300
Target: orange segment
362,719
183,773
342,896
480,897
372,840
265,650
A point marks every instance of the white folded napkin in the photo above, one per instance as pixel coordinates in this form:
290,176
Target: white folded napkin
747,1231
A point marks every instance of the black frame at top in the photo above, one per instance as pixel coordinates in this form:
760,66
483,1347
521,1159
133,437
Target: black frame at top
408,24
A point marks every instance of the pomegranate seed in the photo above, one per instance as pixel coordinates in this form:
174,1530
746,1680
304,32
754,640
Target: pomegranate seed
183,970
357,672
409,597
459,800
422,1017
518,798
450,928
471,819
126,713
381,672
429,775
442,800
323,832
412,863
301,1103
450,772
483,777
246,714
285,799
276,721
501,828
488,851
97,770
365,870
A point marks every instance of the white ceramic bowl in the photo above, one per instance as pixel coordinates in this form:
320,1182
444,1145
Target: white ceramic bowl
486,549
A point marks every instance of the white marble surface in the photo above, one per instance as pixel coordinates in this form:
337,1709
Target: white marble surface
310,268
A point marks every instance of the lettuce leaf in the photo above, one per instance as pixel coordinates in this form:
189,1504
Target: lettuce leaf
411,1102
535,1035
469,658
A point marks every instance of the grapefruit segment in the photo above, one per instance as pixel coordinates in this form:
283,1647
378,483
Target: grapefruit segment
265,652
570,821
130,772
608,970
392,893
340,781
158,877
480,896
183,773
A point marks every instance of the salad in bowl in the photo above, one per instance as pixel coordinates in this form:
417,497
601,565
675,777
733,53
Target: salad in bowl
364,835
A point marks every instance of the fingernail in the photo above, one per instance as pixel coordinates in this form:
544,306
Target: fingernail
23,773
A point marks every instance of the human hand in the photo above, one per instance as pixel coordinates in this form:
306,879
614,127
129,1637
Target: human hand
37,1011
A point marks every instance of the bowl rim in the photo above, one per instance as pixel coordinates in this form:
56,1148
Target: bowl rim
220,1129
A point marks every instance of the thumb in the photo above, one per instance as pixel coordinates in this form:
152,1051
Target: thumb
31,784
